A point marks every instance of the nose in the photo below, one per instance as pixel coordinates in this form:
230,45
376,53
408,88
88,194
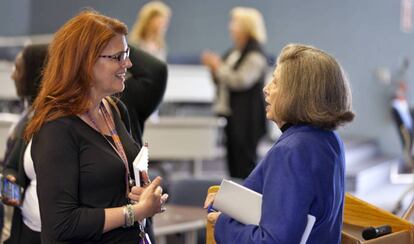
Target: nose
127,63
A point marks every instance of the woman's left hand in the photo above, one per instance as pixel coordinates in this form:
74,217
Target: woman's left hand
209,199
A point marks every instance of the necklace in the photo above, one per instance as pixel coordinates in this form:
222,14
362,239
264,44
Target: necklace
119,149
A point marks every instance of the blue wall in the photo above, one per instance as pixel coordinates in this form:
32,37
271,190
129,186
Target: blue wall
363,35
14,17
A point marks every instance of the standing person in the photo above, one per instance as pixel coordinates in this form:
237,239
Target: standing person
26,225
144,89
239,78
148,32
303,172
81,150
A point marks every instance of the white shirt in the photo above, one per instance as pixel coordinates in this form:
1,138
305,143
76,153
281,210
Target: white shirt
30,206
404,110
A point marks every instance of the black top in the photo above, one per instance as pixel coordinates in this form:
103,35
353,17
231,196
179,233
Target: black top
285,127
79,175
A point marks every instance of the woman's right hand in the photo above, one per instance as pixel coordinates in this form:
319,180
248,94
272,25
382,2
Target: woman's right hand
151,200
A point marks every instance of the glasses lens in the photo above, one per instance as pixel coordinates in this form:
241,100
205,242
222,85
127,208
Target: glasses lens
125,55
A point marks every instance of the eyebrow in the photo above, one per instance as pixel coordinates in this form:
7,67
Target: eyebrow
122,51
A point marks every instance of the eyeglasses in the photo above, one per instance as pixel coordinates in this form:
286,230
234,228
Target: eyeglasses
120,57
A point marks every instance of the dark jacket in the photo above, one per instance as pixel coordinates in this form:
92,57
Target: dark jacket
144,89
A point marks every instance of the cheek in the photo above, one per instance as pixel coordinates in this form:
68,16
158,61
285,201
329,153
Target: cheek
272,104
101,72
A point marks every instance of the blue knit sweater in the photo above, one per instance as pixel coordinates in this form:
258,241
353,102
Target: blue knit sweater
303,173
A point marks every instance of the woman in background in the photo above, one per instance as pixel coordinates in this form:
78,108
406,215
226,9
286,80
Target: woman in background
19,168
303,173
81,149
239,78
148,32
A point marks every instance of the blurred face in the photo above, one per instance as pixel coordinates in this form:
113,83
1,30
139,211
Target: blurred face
238,35
110,68
159,24
270,97
18,73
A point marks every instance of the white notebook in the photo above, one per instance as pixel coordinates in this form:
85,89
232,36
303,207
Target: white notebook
245,205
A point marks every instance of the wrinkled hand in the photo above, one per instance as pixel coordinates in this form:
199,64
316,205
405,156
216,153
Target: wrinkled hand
209,199
212,217
151,198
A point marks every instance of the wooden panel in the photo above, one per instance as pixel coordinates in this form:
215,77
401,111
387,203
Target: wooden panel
360,213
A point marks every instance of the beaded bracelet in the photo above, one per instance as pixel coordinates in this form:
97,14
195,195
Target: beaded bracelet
129,215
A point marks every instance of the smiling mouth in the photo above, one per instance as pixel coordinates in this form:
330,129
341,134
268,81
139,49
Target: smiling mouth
120,76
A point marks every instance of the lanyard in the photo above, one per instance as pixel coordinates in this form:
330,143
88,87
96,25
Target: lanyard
119,149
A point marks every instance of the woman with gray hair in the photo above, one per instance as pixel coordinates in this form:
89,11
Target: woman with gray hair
239,78
303,173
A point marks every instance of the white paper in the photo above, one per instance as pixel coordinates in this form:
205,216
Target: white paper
140,163
245,205
239,202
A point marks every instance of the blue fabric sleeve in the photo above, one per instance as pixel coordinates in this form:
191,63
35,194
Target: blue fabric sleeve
287,196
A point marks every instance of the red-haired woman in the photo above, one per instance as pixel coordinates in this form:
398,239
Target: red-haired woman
81,149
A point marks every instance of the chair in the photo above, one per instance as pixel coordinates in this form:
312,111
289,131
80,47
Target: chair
209,226
191,192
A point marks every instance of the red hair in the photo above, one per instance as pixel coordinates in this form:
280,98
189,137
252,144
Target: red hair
66,83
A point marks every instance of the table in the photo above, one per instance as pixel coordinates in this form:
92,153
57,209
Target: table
179,219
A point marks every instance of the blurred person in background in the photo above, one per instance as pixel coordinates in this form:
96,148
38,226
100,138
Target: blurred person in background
148,31
19,169
144,90
304,171
239,79
81,148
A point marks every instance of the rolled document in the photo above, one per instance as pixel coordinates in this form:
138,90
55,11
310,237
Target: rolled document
140,165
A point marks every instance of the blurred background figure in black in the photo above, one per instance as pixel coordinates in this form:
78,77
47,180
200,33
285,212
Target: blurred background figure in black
239,78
